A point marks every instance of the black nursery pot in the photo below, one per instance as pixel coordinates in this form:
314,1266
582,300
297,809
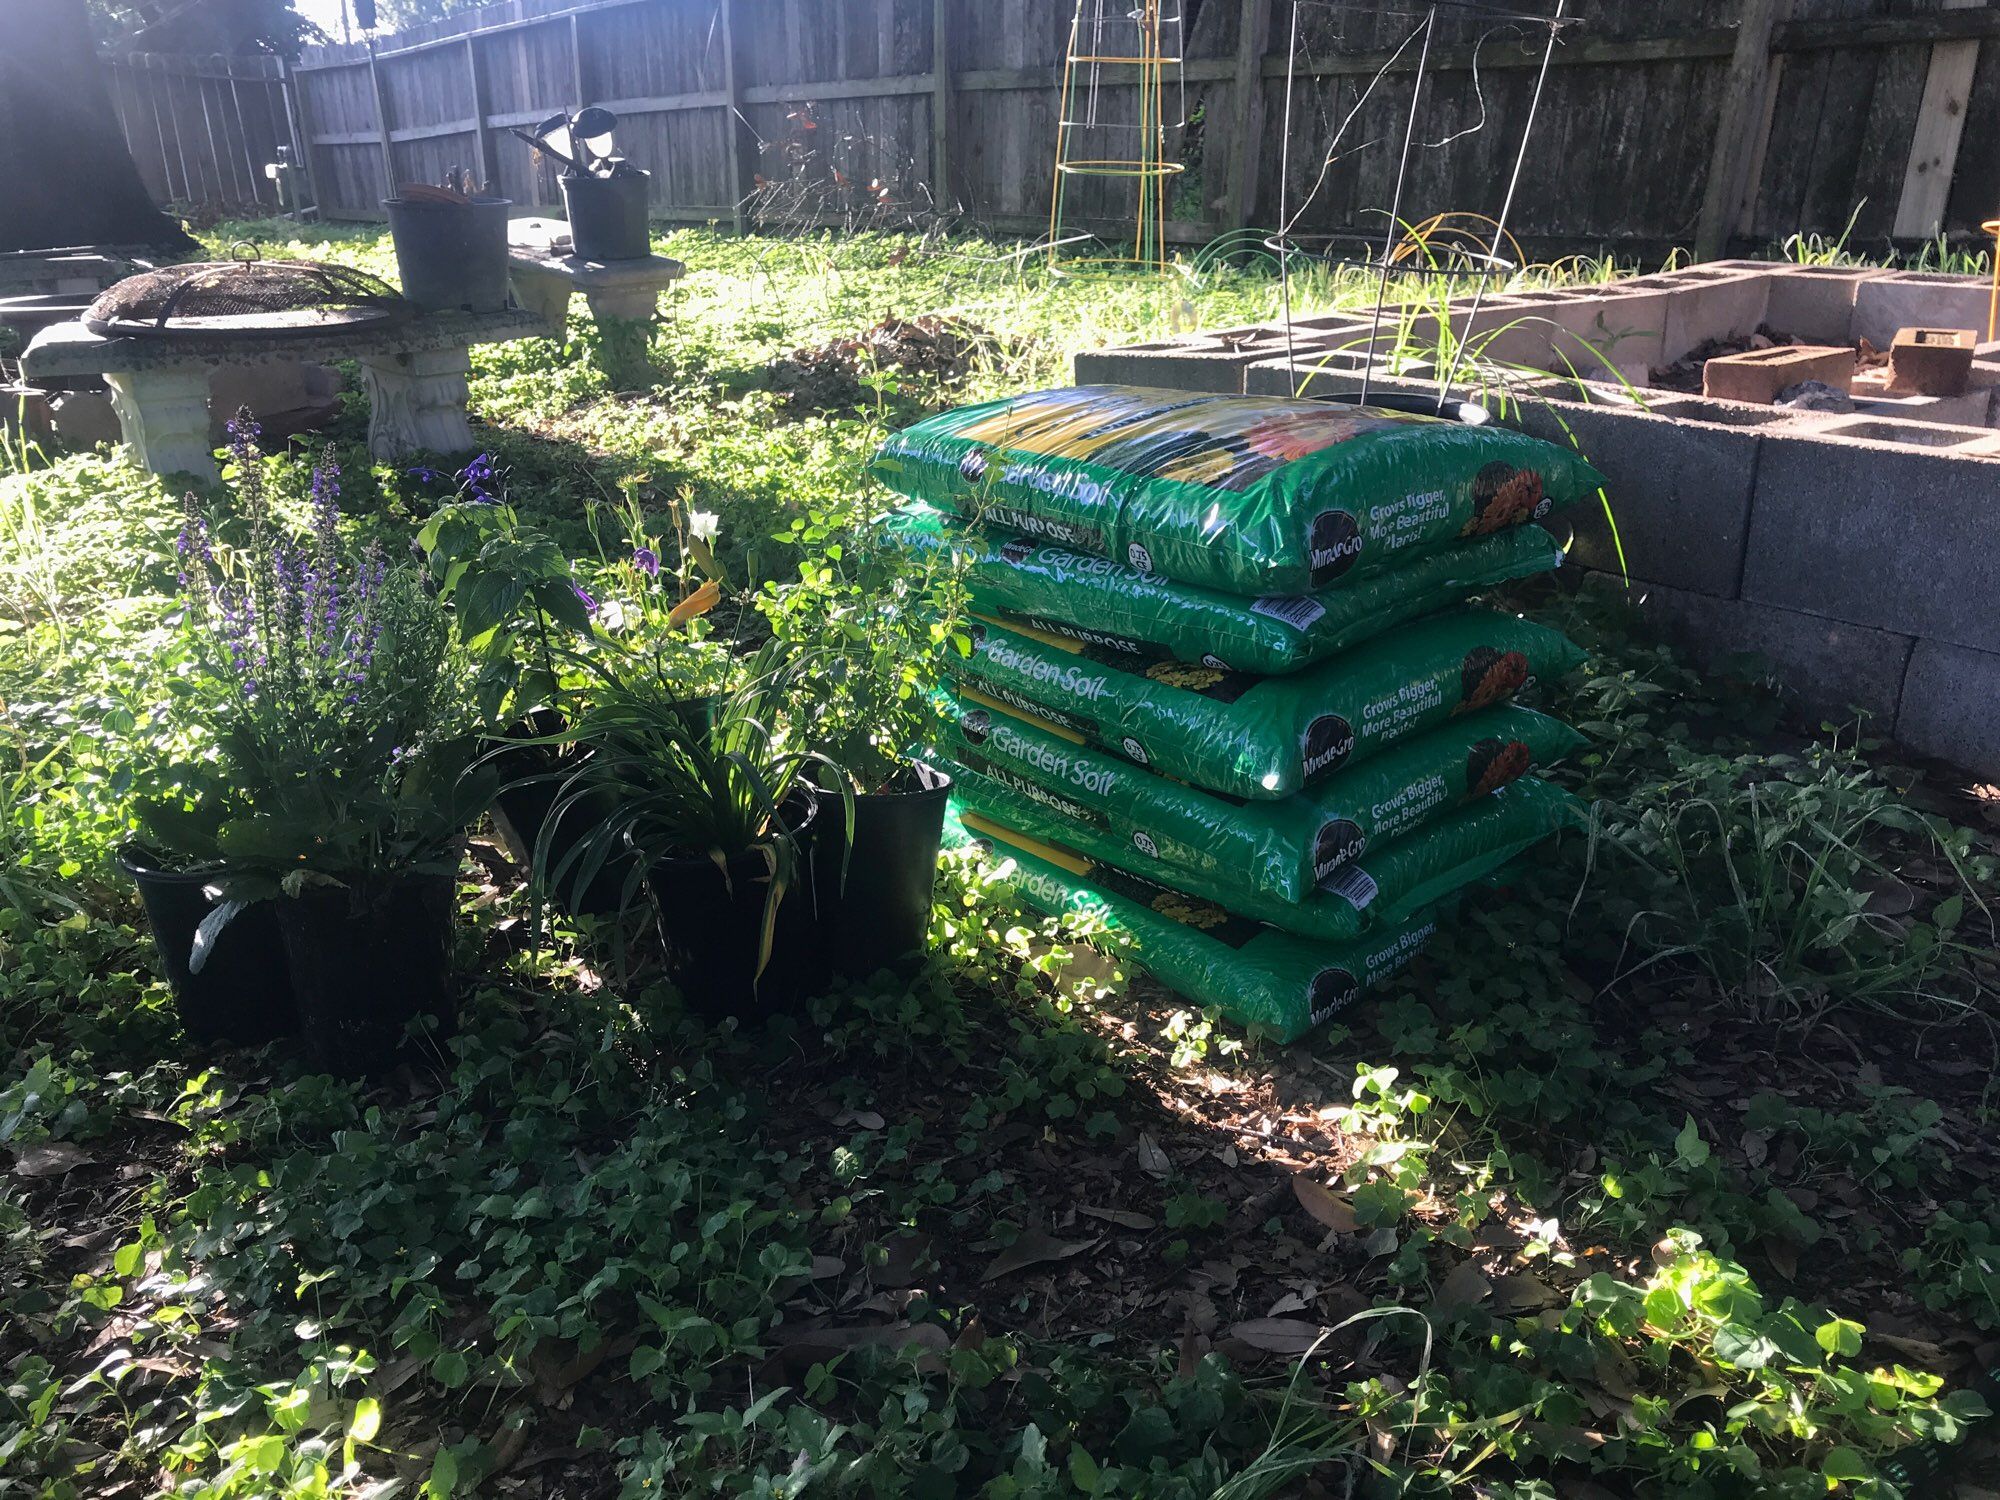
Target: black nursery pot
878,917
712,929
607,215
366,964
1471,413
532,777
243,994
451,255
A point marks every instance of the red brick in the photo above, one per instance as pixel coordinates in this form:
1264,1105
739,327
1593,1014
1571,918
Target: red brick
1759,375
1931,361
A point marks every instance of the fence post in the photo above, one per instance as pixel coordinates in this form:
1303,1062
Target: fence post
1737,125
1246,151
382,123
941,105
576,60
489,160
738,127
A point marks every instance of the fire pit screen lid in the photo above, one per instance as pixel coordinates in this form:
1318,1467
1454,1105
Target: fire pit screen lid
246,298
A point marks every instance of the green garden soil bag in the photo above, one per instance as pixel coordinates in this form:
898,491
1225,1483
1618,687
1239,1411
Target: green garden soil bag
1247,494
1265,737
1281,849
1150,618
1254,974
1384,890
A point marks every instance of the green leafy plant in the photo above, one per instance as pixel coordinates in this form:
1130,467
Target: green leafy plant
667,774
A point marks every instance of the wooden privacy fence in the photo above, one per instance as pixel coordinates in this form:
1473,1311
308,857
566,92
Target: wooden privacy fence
202,128
1659,124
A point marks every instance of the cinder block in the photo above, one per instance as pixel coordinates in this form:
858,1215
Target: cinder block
1312,372
1872,398
1918,299
1897,537
1717,305
1826,667
1757,375
1816,302
1931,361
1680,494
1185,365
1951,706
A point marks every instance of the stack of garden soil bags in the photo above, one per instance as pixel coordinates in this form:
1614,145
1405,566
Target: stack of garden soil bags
1224,687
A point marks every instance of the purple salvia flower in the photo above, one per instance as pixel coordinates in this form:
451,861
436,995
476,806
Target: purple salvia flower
647,561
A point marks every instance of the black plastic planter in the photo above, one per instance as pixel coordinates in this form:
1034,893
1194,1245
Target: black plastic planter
878,917
532,778
243,993
451,256
607,215
365,965
712,928
1471,413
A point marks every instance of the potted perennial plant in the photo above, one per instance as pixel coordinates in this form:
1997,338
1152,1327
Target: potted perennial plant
337,787
711,809
871,627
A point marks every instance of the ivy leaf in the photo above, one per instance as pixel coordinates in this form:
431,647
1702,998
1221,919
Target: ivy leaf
1839,1336
449,1369
1844,1464
1744,1346
1689,1147
367,1420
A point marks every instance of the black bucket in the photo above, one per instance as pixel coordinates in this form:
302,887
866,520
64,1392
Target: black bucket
607,215
532,779
364,967
1471,413
878,918
243,993
451,256
713,929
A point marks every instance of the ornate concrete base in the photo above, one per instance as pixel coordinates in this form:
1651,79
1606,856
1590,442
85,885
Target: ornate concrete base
624,295
163,419
416,403
624,330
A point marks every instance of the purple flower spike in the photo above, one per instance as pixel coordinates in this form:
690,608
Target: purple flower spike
647,561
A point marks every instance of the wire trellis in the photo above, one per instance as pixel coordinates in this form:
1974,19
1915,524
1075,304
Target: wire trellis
1141,35
1415,33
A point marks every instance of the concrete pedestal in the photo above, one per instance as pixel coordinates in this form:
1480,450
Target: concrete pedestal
414,375
416,403
163,419
624,298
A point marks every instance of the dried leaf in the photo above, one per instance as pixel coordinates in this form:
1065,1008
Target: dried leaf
867,1119
826,1342
1123,1217
1291,1302
1152,1159
1463,1287
1319,1201
50,1159
1034,1247
1524,1291
824,1266
1278,1335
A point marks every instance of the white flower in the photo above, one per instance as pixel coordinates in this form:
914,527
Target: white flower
611,615
703,525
